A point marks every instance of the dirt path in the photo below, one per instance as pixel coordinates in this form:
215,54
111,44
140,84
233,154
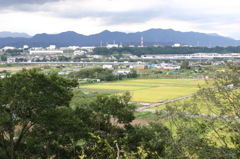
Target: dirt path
135,121
140,121
100,90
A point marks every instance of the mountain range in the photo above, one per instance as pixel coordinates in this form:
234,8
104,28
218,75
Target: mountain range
151,37
5,34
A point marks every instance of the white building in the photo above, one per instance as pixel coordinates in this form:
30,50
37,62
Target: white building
124,72
11,59
79,52
108,66
51,47
167,66
172,67
45,52
8,48
73,47
88,48
111,45
63,48
95,56
176,45
25,46
36,48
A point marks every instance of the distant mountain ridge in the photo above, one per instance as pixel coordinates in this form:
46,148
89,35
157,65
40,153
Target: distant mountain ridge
150,37
214,34
7,34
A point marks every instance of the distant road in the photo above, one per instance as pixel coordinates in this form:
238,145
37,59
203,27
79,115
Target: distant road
188,59
75,63
140,109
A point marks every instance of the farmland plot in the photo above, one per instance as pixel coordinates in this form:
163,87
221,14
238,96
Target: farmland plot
150,90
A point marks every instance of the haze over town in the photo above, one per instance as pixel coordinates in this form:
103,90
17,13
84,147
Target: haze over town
93,16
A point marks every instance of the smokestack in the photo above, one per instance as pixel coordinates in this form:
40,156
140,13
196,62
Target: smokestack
141,41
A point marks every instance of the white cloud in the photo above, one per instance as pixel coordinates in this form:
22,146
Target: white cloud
93,16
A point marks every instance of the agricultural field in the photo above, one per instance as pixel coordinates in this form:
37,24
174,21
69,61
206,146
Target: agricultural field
185,105
149,90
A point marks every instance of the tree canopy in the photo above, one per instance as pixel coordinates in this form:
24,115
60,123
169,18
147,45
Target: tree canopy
37,122
96,73
24,98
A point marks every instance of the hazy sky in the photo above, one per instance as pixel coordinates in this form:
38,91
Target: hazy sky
93,16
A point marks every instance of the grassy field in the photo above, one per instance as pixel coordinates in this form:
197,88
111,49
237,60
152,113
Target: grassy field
186,106
150,90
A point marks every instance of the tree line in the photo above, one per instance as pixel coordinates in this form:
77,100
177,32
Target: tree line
164,50
101,73
14,52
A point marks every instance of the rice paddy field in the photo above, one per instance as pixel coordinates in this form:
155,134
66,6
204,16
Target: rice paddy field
149,90
153,90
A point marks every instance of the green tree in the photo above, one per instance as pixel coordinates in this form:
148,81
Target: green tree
14,52
185,65
21,60
113,115
132,73
24,98
60,133
113,107
4,58
63,58
147,141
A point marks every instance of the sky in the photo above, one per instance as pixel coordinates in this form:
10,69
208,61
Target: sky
94,16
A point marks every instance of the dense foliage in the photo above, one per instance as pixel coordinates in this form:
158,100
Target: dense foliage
3,58
14,52
96,73
165,50
25,100
20,60
185,65
37,122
